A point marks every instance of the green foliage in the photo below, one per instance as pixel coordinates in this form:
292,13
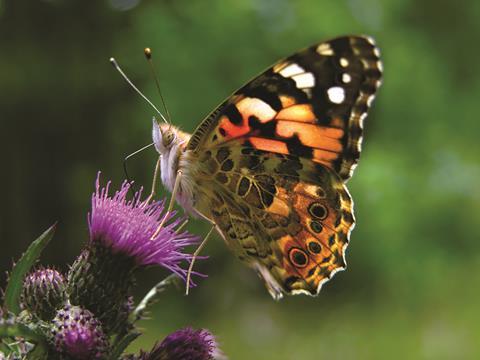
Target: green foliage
11,330
22,267
14,329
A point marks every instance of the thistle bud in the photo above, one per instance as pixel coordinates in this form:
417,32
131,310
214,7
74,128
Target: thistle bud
43,293
78,335
185,344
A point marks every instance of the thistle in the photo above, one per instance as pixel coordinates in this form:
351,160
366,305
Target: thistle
185,344
77,334
124,236
91,314
43,292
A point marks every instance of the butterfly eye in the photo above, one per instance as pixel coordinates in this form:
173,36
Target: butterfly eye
298,257
168,138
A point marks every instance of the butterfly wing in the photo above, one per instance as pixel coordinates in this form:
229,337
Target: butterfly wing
311,104
287,217
273,159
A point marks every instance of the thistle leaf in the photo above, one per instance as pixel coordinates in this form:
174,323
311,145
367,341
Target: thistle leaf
122,344
33,346
14,329
22,267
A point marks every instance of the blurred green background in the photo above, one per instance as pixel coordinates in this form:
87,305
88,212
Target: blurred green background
411,290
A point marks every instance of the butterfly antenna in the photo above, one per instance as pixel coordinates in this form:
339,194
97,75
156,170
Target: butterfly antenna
148,54
125,170
117,67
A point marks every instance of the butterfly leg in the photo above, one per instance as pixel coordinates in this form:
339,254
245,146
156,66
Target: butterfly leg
170,205
180,228
195,255
154,182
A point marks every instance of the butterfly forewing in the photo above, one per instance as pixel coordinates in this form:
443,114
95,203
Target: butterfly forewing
311,104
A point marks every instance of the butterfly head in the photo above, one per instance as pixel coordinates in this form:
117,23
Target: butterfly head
166,137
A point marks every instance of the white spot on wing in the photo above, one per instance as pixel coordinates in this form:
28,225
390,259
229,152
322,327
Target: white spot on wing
306,80
370,100
253,106
361,120
359,144
346,78
336,94
343,62
370,40
290,70
325,49
380,66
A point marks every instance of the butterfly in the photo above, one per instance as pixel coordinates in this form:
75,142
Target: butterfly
268,167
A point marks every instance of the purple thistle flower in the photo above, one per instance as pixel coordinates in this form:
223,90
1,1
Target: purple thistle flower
186,344
77,334
127,227
124,236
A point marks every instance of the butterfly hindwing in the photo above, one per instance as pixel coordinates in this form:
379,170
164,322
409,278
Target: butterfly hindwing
287,217
311,104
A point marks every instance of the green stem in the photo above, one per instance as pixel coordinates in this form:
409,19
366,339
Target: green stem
149,297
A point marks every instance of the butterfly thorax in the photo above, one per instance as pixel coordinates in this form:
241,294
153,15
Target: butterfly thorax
170,142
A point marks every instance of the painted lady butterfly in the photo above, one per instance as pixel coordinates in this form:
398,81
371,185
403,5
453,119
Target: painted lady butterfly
268,167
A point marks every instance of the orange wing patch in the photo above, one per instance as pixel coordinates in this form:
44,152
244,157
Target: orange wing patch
230,130
287,101
275,146
293,130
300,112
314,136
279,206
